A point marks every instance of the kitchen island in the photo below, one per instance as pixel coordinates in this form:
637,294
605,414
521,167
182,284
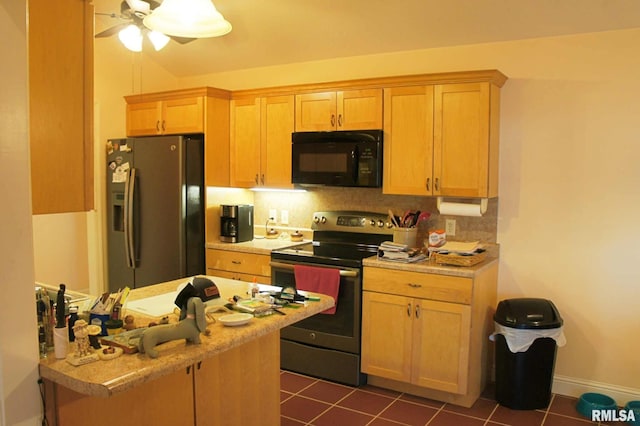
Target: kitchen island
232,377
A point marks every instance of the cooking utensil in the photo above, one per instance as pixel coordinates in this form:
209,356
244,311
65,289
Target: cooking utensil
393,219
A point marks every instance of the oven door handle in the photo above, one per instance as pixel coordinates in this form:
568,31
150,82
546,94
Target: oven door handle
289,267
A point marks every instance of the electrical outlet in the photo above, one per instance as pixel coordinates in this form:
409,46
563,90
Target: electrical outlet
273,214
284,217
450,227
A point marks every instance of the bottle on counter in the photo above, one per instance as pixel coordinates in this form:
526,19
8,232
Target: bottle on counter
254,290
73,317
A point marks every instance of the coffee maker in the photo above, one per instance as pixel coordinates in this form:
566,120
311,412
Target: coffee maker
236,223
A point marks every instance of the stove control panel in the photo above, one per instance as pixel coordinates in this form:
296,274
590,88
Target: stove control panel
351,221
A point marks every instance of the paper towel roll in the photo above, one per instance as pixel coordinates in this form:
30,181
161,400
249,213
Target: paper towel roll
460,209
61,342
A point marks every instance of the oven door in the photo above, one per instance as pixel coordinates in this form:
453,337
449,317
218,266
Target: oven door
339,331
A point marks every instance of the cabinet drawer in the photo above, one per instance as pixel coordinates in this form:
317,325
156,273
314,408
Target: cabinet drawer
233,261
261,279
414,284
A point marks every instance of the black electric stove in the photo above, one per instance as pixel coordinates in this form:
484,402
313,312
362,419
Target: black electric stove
340,238
328,346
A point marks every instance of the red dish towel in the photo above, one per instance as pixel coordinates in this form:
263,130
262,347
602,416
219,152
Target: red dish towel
318,280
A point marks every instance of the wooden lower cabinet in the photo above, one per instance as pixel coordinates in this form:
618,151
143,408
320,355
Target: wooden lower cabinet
238,387
428,346
427,334
239,266
168,400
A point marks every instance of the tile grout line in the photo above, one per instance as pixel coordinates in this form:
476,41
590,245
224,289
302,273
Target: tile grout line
387,406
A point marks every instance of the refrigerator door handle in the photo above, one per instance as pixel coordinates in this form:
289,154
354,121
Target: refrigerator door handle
129,191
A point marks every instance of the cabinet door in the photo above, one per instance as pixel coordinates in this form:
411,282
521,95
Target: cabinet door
245,142
165,401
144,119
441,345
61,105
184,115
461,140
316,111
386,335
359,109
277,123
408,140
240,386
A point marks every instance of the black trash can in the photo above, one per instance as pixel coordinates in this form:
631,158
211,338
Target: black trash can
524,377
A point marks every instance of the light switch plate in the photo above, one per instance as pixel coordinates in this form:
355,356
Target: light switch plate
284,217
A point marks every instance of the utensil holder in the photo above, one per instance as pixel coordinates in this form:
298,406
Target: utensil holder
405,236
61,342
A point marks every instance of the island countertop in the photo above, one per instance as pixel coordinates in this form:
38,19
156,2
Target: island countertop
105,378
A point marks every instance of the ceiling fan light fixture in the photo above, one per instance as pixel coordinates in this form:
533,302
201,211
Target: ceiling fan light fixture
158,39
187,18
131,37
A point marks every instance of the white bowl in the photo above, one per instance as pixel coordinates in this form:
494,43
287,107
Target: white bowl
234,320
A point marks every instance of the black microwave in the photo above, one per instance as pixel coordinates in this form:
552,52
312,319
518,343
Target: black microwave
338,158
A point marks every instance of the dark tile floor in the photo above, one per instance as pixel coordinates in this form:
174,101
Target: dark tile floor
310,401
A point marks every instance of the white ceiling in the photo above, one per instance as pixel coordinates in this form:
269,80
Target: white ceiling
274,32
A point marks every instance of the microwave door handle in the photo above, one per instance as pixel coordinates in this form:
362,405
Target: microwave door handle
355,157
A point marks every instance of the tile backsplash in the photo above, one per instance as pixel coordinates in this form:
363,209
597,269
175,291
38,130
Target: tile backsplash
300,207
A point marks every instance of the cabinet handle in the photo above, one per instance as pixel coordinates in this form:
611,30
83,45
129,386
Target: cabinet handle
262,179
415,285
237,262
163,127
417,311
157,125
436,185
333,120
256,179
199,364
188,369
409,310
339,120
428,184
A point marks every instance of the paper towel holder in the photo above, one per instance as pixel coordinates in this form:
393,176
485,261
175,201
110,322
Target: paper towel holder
483,204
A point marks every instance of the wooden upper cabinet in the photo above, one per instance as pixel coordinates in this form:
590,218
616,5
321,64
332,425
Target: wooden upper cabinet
466,140
276,126
261,141
442,140
408,140
245,143
182,115
342,110
61,105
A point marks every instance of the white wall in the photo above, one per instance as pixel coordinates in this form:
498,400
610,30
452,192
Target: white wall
19,397
568,183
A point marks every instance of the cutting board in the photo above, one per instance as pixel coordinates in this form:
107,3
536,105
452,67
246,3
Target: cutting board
154,306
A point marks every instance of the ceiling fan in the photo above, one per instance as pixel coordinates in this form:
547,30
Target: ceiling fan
131,29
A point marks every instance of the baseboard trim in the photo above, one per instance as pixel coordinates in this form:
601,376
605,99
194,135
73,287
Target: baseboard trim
570,386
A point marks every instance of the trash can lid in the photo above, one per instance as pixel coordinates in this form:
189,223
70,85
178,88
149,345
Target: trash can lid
527,313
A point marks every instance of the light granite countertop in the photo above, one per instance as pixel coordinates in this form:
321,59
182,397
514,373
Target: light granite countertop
105,378
430,267
257,245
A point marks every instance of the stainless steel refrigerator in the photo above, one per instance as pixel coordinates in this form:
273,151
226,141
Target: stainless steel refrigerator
156,209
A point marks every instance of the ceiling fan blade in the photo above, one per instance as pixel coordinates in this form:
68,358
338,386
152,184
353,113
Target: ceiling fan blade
111,31
182,40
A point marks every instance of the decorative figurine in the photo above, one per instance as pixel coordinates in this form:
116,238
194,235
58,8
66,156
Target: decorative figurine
81,331
129,322
189,328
